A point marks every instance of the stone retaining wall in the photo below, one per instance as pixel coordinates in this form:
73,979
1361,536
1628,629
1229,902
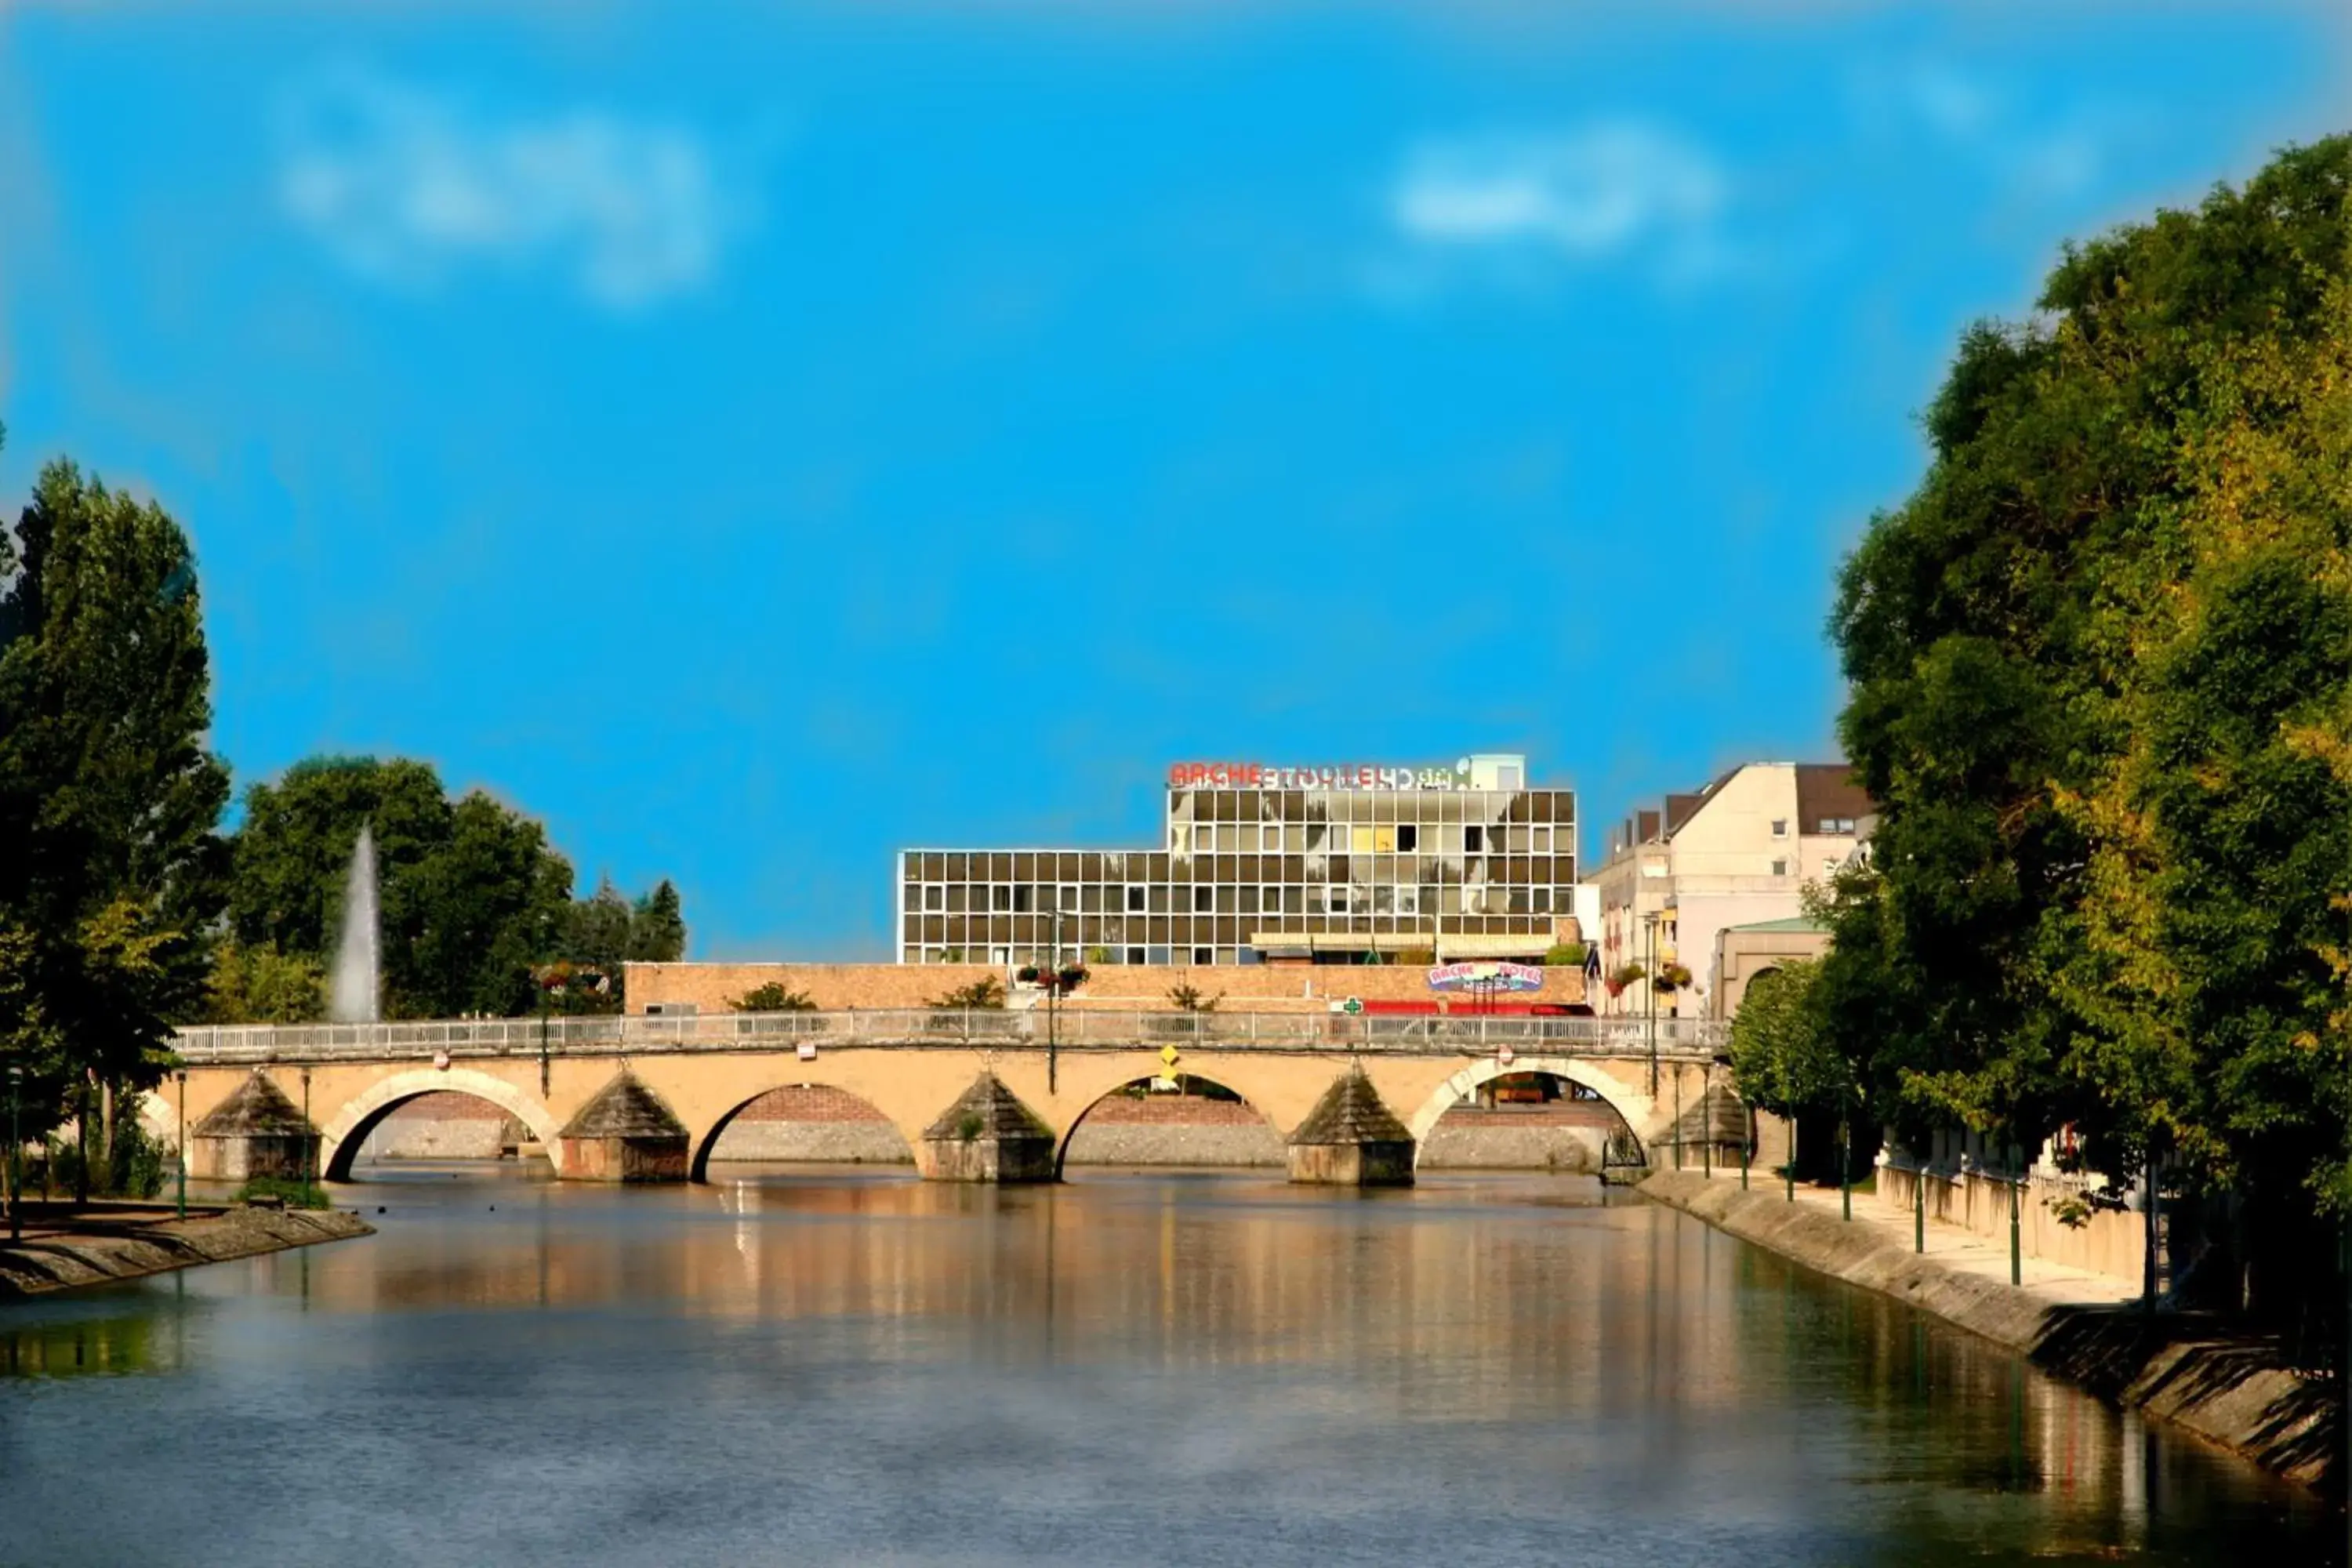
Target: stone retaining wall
2225,1388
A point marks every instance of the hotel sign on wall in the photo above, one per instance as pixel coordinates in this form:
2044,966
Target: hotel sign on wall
1349,776
1484,978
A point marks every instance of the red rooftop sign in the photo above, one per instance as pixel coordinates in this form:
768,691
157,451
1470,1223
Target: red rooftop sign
1350,775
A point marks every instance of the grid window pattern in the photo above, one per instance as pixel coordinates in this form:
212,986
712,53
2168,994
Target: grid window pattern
1248,870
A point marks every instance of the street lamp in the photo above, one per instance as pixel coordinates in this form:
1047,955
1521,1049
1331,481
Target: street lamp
1053,990
182,1151
15,1142
310,1139
1650,994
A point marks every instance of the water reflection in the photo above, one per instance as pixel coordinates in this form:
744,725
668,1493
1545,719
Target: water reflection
1143,1367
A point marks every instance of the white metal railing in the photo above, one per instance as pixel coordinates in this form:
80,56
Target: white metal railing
1071,1028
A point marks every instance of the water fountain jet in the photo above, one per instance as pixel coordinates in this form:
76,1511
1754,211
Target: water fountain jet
353,992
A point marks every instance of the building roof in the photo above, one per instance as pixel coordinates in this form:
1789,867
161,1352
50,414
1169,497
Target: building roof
1793,922
257,1107
1350,1112
1827,792
625,1108
1002,1115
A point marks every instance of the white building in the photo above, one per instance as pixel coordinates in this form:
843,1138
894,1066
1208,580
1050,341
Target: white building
1738,852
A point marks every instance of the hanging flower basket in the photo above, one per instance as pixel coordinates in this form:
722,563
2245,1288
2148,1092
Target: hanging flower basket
1073,977
1672,977
1026,974
1621,976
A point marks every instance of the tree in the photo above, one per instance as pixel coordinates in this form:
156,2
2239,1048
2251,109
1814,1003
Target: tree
2101,676
260,984
657,926
108,799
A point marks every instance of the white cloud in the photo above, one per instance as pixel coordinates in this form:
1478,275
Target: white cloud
406,186
1589,194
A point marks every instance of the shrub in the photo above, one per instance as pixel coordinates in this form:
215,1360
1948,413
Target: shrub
987,990
1564,955
773,997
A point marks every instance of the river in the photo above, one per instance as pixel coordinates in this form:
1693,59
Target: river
838,1366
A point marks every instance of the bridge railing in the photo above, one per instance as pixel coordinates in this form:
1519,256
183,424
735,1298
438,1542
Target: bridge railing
1070,1028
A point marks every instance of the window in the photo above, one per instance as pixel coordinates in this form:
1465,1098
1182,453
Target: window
1134,898
1362,837
1780,868
935,896
1204,955
1408,901
999,898
1846,825
1269,898
1336,901
1779,827
1473,840
1384,840
1269,837
1408,837
1829,824
1542,839
1201,838
1024,900
1204,901
1135,955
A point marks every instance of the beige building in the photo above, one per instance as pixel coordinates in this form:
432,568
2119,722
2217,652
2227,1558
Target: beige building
1738,852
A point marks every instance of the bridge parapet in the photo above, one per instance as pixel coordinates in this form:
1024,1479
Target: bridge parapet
1071,1029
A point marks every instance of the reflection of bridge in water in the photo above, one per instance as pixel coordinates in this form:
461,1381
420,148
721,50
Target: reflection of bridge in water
914,1067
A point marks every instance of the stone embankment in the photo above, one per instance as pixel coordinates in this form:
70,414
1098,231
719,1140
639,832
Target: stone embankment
2225,1387
102,1247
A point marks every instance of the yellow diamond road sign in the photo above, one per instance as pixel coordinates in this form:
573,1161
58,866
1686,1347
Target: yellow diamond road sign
1168,1055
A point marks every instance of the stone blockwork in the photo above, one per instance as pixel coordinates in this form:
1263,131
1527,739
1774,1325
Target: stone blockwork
1351,1139
813,1123
1173,1129
443,1127
625,1134
1568,1136
987,1135
255,1132
1271,988
2229,1390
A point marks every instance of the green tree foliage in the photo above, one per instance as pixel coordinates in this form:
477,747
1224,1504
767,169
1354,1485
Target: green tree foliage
112,869
773,997
471,896
987,990
2101,668
1782,1059
259,985
657,926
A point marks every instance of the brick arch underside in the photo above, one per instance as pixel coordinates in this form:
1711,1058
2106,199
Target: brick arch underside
1631,1109
1062,1144
342,1135
698,1168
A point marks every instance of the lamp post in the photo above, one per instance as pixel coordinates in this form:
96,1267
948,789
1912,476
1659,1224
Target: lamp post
2016,1179
1650,994
16,1176
182,1151
1053,990
310,1139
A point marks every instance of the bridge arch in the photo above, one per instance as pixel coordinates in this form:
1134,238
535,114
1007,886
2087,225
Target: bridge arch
340,1137
707,1141
1632,1109
1062,1145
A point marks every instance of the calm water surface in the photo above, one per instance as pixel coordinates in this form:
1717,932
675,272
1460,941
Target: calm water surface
823,1367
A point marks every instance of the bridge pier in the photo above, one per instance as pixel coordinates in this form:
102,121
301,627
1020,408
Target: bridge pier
1351,1139
987,1135
625,1134
255,1132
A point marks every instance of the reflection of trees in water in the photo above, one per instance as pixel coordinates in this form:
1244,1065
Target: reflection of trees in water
76,1347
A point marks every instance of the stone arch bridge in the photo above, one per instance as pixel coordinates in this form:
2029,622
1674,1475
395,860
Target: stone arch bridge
914,1067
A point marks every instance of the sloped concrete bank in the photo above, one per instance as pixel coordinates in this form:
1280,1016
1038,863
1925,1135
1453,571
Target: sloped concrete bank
106,1251
2226,1388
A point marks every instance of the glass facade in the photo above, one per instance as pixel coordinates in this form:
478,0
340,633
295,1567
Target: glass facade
1261,874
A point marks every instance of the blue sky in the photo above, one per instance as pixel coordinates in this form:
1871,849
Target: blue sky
754,440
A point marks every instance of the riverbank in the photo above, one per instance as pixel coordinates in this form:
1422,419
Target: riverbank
105,1244
2228,1388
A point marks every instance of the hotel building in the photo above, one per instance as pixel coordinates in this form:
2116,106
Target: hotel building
1271,865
